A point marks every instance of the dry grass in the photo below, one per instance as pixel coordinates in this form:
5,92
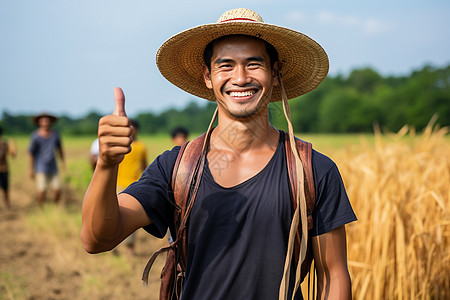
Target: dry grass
400,191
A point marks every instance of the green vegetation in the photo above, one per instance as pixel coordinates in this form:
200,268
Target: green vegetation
340,105
12,287
365,98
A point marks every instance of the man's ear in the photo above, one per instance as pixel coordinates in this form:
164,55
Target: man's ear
207,77
276,69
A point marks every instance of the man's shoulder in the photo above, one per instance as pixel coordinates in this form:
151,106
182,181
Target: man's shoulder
34,134
321,160
167,158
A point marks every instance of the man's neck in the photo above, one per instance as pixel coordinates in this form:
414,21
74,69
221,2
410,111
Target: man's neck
240,135
44,132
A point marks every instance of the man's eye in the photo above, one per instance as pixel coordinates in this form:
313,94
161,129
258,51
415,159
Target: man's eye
225,66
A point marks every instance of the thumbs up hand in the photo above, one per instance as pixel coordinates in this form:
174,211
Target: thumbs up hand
114,134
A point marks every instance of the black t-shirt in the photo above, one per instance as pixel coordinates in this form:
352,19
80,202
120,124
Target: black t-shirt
237,237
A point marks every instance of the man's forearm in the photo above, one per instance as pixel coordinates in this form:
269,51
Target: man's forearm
334,286
31,172
101,222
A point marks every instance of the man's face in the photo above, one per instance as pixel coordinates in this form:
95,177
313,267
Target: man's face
241,76
44,122
179,139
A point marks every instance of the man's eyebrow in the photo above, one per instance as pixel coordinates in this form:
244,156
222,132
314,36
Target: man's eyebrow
223,60
228,60
256,58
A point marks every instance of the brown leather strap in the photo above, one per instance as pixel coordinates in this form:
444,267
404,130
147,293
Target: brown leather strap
150,262
182,176
305,151
183,172
186,184
176,166
190,168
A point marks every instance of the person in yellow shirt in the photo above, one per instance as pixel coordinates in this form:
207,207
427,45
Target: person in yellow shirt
130,170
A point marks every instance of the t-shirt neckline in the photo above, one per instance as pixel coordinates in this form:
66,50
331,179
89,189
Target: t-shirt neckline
209,177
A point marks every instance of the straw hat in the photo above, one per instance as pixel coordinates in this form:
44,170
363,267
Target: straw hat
53,119
304,62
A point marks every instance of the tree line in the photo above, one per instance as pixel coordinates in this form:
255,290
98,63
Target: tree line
341,104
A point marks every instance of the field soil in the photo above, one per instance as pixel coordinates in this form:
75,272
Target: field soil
41,256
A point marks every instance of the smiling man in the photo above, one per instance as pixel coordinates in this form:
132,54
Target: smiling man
242,224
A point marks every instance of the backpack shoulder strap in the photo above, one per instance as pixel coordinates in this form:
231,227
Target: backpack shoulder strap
182,180
183,171
305,151
186,177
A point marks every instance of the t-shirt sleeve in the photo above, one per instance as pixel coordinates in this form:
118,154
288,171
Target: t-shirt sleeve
332,208
153,191
33,145
58,141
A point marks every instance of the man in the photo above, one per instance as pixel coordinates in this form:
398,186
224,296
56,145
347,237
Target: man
130,169
179,136
44,144
238,231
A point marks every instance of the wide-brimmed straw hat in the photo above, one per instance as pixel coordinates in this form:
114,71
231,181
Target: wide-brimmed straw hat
304,62
52,118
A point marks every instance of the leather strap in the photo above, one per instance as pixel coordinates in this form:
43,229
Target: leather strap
305,151
150,262
188,169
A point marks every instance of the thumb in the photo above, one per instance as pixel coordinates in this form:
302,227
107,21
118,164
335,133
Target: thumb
119,97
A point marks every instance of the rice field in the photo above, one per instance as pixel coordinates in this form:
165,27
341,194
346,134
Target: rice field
398,184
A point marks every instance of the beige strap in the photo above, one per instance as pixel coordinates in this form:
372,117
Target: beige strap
299,213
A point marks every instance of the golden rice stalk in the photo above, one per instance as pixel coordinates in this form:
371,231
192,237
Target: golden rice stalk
400,190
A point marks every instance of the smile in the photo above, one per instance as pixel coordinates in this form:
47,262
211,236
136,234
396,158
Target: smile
242,94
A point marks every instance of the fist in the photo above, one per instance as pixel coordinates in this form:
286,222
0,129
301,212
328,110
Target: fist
114,133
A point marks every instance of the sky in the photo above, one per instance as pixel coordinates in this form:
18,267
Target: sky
65,57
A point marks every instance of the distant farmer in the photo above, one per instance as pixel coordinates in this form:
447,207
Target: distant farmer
130,169
179,135
5,150
242,224
45,144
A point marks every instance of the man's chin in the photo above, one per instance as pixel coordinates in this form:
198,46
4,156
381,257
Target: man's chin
244,114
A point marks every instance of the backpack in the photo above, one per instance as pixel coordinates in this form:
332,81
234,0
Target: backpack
186,179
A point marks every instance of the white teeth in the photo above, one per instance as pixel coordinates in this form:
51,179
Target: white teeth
241,94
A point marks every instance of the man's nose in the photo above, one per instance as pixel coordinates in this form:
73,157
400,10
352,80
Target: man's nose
240,76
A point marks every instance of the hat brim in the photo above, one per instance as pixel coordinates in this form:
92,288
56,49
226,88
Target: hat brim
53,119
304,62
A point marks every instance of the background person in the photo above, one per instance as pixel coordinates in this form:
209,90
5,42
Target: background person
5,150
93,153
45,143
179,135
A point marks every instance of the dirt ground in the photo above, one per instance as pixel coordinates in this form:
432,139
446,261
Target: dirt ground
36,263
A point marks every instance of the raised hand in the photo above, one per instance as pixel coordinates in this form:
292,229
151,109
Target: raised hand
114,133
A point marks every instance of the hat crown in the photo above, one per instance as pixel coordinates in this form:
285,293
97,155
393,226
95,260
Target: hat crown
240,15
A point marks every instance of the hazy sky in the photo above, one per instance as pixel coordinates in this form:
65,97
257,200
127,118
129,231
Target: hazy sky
65,57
